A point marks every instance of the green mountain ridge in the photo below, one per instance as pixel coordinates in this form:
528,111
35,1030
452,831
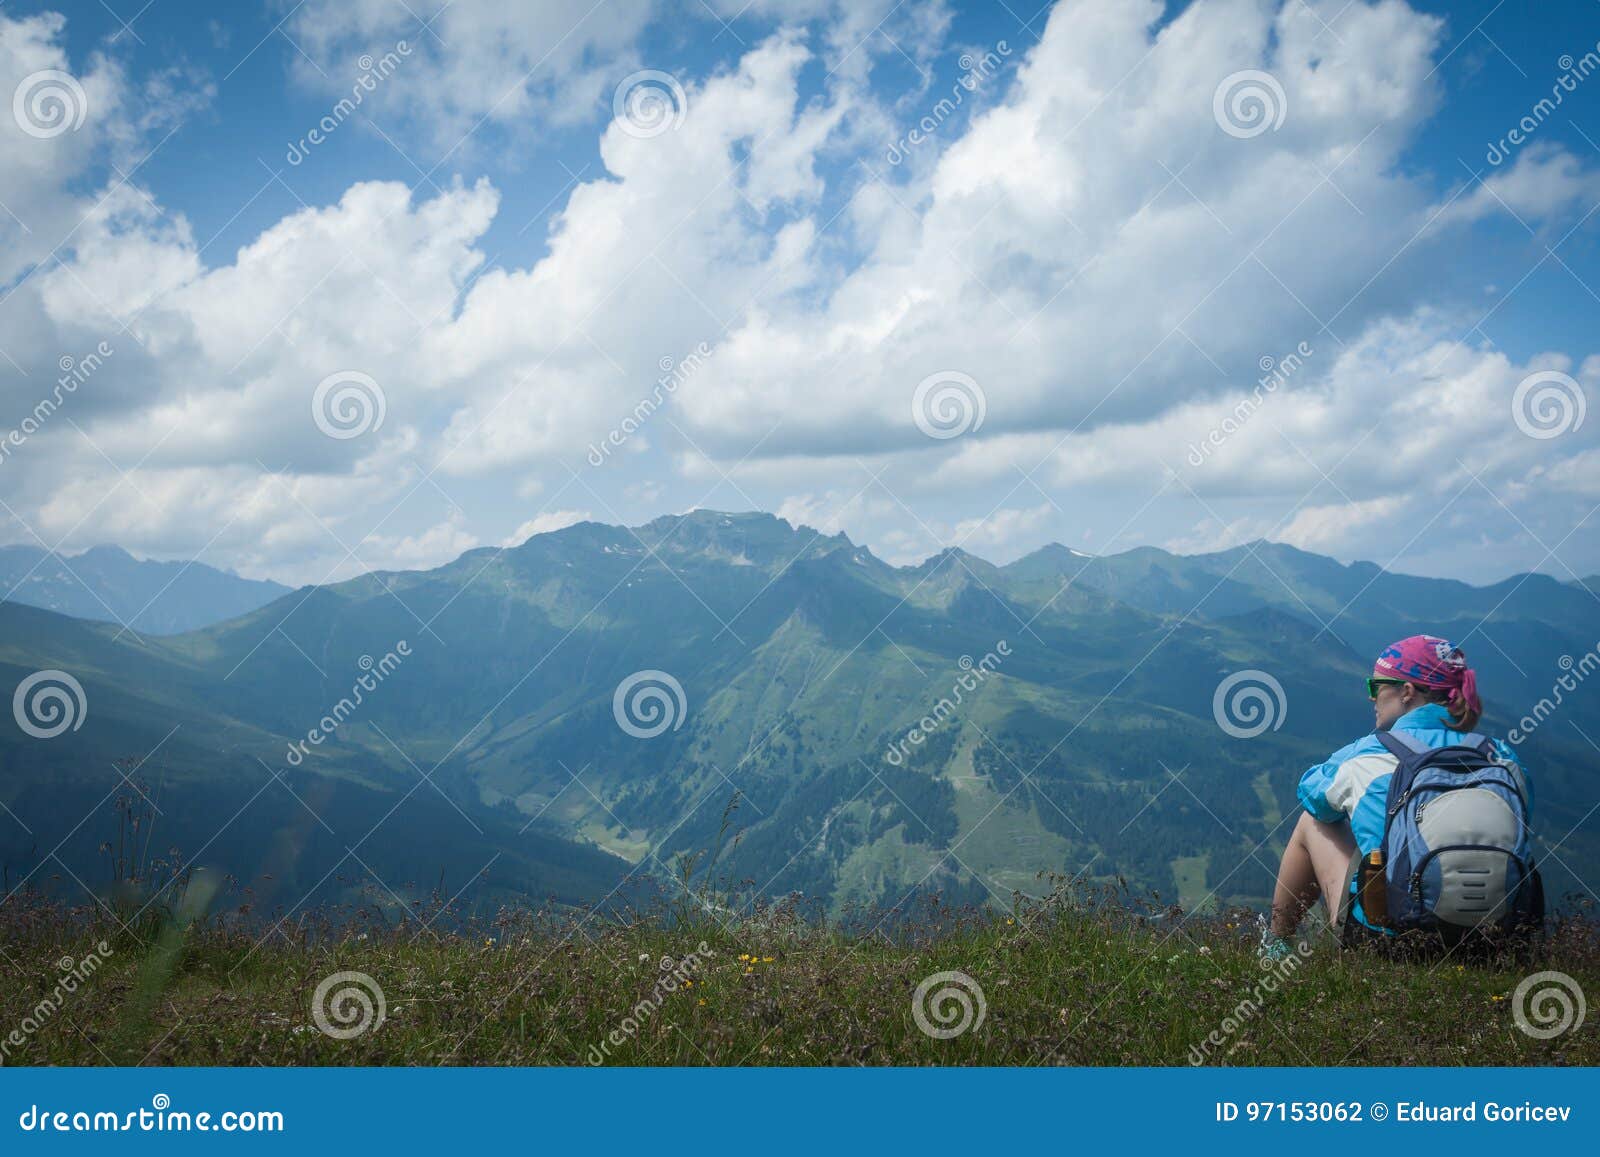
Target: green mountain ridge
1070,699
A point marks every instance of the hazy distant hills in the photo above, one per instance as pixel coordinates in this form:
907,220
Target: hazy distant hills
1069,702
108,584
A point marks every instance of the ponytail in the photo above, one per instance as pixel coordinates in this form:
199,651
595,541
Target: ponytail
1464,705
1463,715
1467,720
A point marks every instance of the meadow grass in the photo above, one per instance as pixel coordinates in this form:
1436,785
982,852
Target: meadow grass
1065,981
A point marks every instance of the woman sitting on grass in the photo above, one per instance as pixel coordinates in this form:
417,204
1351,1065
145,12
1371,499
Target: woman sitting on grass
1421,688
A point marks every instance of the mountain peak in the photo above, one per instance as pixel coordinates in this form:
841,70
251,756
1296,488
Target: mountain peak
756,520
747,538
946,556
107,552
1051,552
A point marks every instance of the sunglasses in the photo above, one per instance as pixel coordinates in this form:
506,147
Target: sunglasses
1374,682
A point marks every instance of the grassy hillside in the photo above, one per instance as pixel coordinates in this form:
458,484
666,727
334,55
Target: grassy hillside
1063,981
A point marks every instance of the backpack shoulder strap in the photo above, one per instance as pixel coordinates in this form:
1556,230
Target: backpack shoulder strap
1405,749
1402,745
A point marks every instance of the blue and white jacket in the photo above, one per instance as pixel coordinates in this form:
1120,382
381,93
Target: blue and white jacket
1353,783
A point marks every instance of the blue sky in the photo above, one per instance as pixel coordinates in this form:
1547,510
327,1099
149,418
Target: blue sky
1083,248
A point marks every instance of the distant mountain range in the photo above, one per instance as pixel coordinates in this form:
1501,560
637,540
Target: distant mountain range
547,719
107,584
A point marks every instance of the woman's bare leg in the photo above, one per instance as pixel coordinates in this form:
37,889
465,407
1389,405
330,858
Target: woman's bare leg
1316,863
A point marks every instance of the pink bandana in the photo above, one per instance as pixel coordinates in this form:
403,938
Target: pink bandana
1430,661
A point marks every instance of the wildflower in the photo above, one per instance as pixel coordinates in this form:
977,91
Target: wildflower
644,956
702,1002
1205,950
744,956
1009,920
688,983
766,960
